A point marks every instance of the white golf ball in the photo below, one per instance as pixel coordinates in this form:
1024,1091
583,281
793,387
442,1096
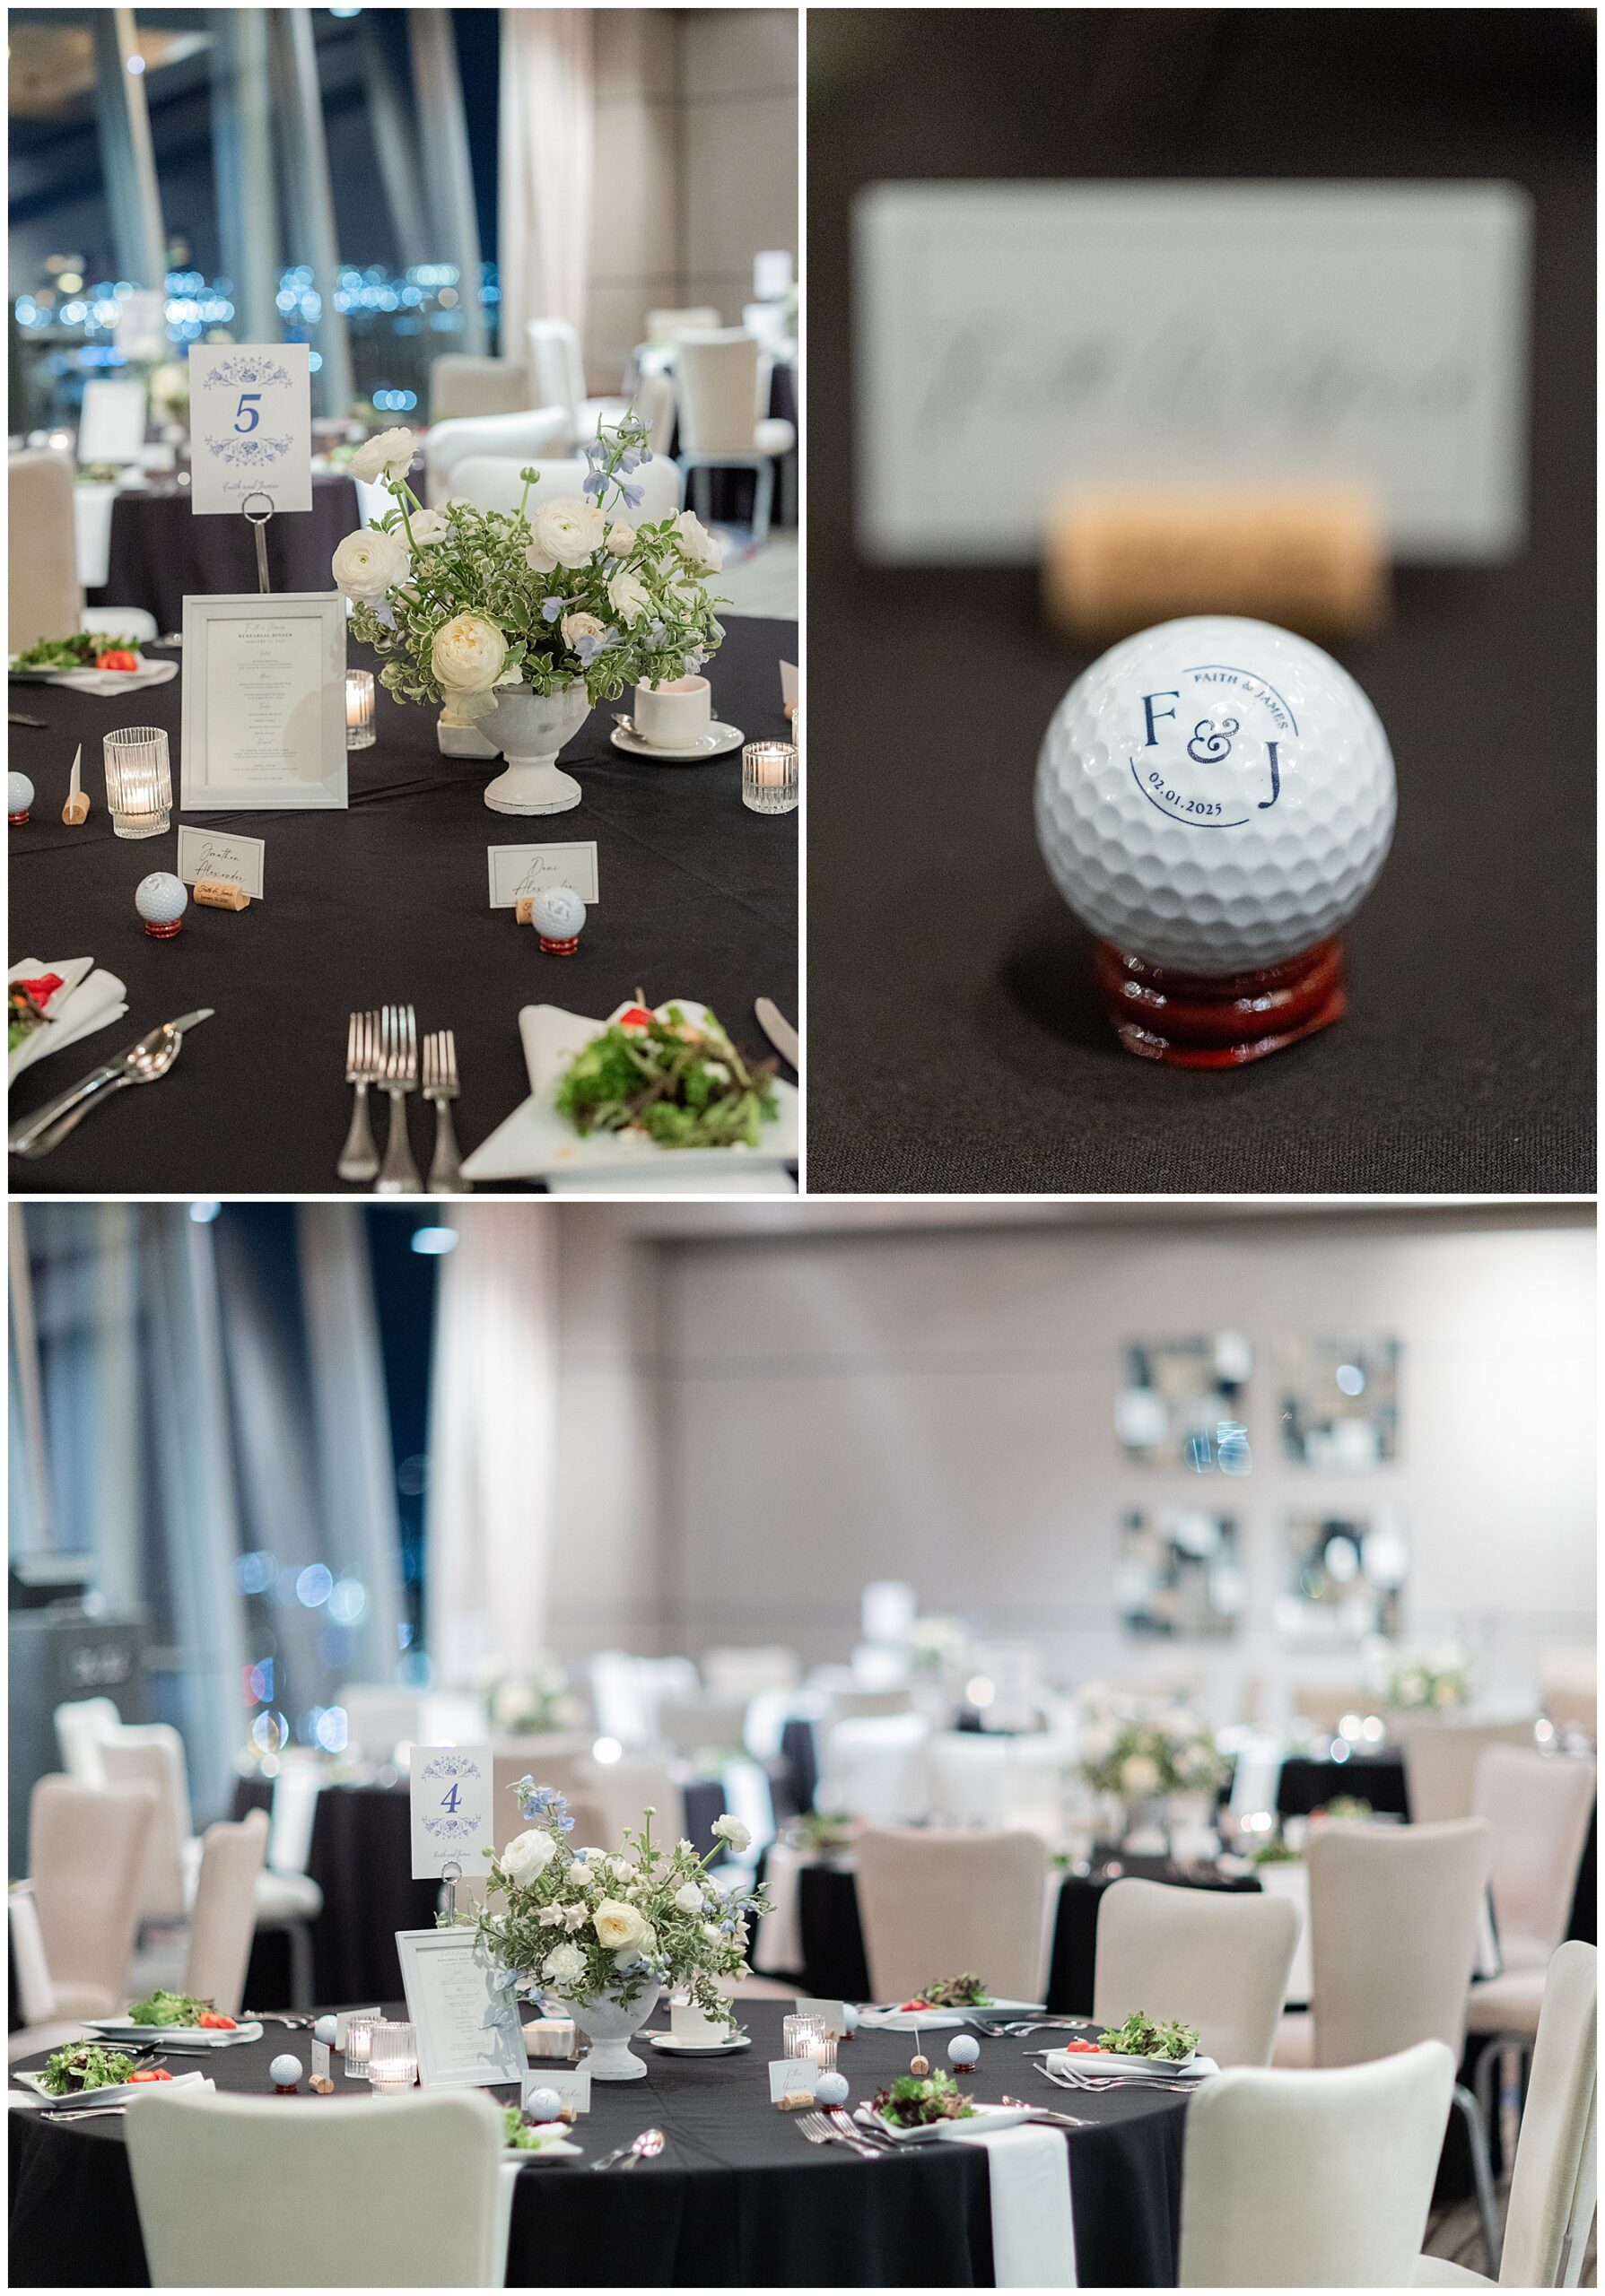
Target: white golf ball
557,913
284,2072
831,2089
1214,794
160,897
541,2105
963,2049
19,793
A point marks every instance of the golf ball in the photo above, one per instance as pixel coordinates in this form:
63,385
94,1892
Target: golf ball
161,899
541,2105
831,2089
19,793
557,913
1214,794
963,2049
284,2072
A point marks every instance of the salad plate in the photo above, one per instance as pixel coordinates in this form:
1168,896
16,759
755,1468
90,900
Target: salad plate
893,2018
114,2031
672,2046
719,740
937,2131
1191,2067
537,1142
116,2092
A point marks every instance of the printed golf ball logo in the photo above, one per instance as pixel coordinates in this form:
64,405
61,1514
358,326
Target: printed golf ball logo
1213,746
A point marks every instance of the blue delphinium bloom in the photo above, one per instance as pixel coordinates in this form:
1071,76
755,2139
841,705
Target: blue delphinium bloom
593,483
546,1801
553,607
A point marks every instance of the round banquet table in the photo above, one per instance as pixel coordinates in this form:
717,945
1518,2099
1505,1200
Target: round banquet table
159,553
385,903
738,2197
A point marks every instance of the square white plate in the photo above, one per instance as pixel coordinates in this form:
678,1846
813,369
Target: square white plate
118,2030
892,2019
117,2093
993,2116
1132,2068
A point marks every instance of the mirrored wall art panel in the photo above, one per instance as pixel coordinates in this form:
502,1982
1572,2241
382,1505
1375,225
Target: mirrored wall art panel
1343,1577
1338,1402
1179,1573
1182,1403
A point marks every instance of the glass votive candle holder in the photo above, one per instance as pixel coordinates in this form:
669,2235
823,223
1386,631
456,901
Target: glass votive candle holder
802,2035
359,710
393,2058
359,2046
139,781
769,777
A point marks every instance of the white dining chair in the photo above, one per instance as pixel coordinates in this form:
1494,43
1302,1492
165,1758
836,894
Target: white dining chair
703,1728
222,1918
1319,2179
722,387
321,2192
665,324
82,1725
44,599
85,1859
1218,1958
378,1719
464,384
519,436
1441,1757
1324,1705
151,1754
744,1671
494,483
934,1904
1552,2186
1569,1689
1394,1913
556,366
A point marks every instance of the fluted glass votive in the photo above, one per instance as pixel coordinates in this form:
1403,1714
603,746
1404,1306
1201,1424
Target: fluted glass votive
802,2035
393,2058
769,777
359,2046
139,781
359,710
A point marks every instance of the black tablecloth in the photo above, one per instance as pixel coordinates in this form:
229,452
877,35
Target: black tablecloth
1306,1785
957,1040
388,903
161,553
737,2199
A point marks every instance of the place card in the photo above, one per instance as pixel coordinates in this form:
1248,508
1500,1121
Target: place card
832,2015
227,860
518,870
468,2035
263,702
112,423
570,2086
250,426
322,2055
1189,335
792,2078
451,1788
345,2018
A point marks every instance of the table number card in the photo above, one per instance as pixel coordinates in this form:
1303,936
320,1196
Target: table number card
517,870
229,860
451,1809
469,2033
1017,341
250,425
263,702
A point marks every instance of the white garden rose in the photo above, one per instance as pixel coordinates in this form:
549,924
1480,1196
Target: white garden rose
467,654
697,546
731,1829
428,526
1139,1777
627,596
388,454
564,1965
620,1927
369,563
690,1899
576,626
567,532
621,537
526,1857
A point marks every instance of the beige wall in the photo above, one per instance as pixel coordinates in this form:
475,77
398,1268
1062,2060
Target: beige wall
695,165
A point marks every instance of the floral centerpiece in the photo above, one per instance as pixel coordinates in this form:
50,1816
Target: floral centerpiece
1140,1752
1412,1678
523,620
600,1934
530,1701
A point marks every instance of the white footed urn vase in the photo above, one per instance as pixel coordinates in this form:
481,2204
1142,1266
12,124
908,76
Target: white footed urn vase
608,2026
529,729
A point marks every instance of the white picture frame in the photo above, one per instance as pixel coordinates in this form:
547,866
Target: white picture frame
469,2035
111,423
306,681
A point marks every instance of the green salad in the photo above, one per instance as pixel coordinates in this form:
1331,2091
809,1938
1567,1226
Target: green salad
1142,2036
523,2136
88,2064
78,652
917,2100
683,1084
168,2009
966,1992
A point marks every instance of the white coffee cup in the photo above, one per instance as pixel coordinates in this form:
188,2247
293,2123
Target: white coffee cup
688,2024
675,714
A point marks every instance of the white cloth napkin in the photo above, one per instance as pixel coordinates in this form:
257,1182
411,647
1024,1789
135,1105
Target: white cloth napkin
89,1000
108,681
1033,2232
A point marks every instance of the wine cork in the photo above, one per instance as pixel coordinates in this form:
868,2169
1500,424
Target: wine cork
1310,559
523,909
213,894
75,811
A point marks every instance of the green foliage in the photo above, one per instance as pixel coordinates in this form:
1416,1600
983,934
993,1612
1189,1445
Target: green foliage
916,2100
683,1085
165,2008
1142,2036
88,2064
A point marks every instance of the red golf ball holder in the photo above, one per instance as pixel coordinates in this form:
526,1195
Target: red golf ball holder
1191,1021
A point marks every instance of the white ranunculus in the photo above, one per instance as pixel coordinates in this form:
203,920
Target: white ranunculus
575,1916
579,1874
467,654
621,537
731,1829
627,596
1139,1777
550,1916
369,563
385,457
697,546
428,526
564,1965
690,1899
567,532
576,626
620,1927
527,1856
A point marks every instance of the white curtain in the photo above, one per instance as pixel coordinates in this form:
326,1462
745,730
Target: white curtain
547,136
493,1428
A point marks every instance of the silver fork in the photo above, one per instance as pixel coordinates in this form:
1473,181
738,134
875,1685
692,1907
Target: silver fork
440,1085
398,1047
359,1159
818,2130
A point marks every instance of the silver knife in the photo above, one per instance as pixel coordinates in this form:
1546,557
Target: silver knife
37,1135
778,1030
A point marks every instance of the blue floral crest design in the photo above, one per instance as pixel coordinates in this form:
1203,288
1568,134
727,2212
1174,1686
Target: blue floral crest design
234,372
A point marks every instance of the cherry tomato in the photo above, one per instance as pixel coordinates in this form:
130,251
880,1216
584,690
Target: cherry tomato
214,2024
1089,2047
150,2073
118,658
913,2004
635,1017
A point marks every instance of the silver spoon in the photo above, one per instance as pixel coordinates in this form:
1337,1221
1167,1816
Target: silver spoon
142,1063
646,2147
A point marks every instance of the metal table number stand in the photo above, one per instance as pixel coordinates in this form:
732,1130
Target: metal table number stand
451,1873
257,523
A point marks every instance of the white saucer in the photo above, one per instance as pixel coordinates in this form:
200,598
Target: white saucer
673,2048
716,742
